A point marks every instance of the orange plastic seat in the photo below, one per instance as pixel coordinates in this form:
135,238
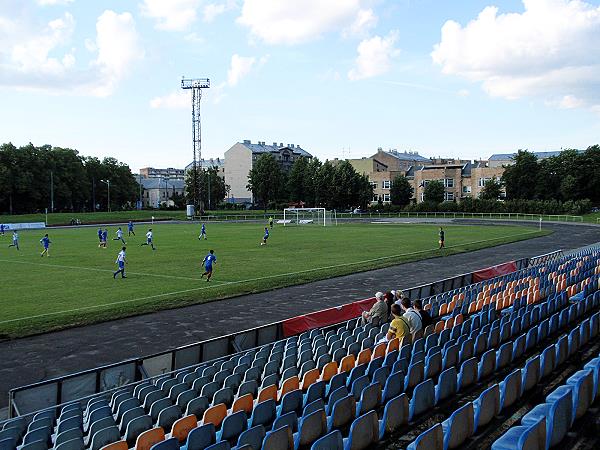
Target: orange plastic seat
243,403
443,309
393,344
458,319
215,414
148,438
427,307
364,356
119,445
182,427
291,384
378,351
450,323
267,393
451,306
439,327
329,371
347,363
309,378
472,307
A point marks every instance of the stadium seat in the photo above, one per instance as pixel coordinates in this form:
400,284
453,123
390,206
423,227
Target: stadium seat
264,413
370,398
504,355
310,428
215,415
167,444
148,438
197,407
510,389
394,386
72,444
136,427
292,401
343,412
523,437
289,419
486,365
594,366
433,365
458,427
583,391
414,375
168,416
233,425
200,437
468,374
446,386
423,398
119,445
331,441
432,439
253,436
280,439
530,374
486,407
104,437
334,397
395,415
363,432
547,361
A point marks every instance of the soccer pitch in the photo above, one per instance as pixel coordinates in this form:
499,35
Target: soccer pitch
75,286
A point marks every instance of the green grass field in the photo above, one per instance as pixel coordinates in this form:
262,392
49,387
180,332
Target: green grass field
74,286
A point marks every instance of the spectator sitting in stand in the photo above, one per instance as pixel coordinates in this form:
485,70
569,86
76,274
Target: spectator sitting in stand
398,327
411,315
398,296
378,311
426,318
389,301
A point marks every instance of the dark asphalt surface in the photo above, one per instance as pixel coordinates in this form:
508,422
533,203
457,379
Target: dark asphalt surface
38,358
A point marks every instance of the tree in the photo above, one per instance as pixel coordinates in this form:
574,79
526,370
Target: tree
520,177
296,186
212,189
265,179
492,190
434,192
401,191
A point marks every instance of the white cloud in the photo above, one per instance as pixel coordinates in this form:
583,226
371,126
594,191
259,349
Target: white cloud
175,100
463,93
171,15
240,67
550,51
53,2
37,57
375,56
212,10
365,20
298,21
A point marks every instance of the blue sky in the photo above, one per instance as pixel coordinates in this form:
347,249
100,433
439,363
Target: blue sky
339,77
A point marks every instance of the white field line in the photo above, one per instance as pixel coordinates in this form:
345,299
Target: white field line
228,283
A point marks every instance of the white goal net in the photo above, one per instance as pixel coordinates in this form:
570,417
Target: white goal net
306,216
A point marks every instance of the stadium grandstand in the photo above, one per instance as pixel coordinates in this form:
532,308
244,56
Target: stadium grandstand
511,362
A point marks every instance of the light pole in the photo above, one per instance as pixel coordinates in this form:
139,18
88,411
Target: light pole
51,192
108,185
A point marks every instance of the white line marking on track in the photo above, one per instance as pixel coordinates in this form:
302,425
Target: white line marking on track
228,283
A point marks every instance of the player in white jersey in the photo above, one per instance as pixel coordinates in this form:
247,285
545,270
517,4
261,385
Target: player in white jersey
149,240
119,236
15,240
121,263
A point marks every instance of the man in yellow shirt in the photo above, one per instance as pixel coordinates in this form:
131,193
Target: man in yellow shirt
399,326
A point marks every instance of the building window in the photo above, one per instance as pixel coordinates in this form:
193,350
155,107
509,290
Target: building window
422,196
466,189
426,182
374,185
483,181
375,199
386,197
386,184
449,196
449,182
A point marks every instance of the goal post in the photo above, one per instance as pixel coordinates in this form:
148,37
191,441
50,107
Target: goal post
306,216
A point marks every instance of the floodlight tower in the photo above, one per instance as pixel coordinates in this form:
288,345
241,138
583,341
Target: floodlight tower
196,85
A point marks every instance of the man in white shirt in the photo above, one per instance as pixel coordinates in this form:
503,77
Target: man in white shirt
411,316
15,240
149,239
121,263
119,236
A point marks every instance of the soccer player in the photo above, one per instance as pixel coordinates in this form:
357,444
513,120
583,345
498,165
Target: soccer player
104,237
130,229
265,237
202,232
15,240
441,238
271,221
45,241
121,263
2,229
149,239
208,261
119,236
99,237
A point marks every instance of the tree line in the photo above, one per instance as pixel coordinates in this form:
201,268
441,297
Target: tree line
35,178
309,181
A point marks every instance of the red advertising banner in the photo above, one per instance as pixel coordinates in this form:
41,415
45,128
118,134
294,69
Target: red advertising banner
494,271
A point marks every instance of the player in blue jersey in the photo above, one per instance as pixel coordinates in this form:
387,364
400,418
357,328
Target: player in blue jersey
104,238
202,232
149,241
99,237
130,229
119,236
265,237
15,240
121,263
208,261
2,229
45,241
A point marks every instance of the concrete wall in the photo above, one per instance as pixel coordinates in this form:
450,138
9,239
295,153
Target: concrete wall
479,175
238,162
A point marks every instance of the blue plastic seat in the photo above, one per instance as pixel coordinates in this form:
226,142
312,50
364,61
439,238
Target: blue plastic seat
200,437
310,428
314,392
450,357
510,389
104,437
468,374
381,375
504,355
38,434
446,386
292,401
432,439
280,439
523,437
233,425
370,398
583,391
547,361
136,427
167,444
486,364
414,376
223,445
395,414
331,441
363,432
313,406
573,341
531,339
289,419
253,436
358,386
264,413
336,382
557,414
458,427
594,366
423,399
433,365
394,386
356,373
562,350
486,406
334,397
531,374
390,358
342,414
467,350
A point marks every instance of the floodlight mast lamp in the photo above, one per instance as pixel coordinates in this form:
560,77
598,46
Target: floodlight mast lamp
196,85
